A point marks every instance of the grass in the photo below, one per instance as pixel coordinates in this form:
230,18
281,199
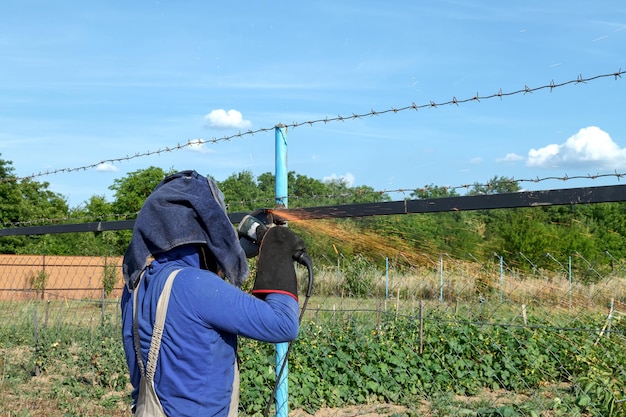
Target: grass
473,285
63,357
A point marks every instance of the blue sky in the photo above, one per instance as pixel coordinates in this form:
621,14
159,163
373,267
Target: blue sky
90,81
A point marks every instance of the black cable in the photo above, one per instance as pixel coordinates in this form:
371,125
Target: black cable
303,259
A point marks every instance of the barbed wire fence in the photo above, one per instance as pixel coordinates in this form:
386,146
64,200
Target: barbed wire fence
449,337
340,118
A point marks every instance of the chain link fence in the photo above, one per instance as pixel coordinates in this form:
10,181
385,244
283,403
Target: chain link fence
512,336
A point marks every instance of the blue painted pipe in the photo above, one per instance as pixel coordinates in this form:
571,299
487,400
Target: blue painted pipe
282,390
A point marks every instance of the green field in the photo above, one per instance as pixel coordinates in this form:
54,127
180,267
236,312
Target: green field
411,358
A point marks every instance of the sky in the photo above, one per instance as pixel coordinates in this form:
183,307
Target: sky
91,91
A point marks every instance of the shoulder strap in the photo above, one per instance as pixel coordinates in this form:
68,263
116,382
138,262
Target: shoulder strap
157,331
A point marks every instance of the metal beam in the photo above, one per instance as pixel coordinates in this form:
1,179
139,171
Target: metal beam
568,196
605,194
68,228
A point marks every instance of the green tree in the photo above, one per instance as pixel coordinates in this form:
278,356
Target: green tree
10,201
97,208
434,191
38,202
130,193
496,185
10,194
132,190
519,234
26,201
610,221
242,193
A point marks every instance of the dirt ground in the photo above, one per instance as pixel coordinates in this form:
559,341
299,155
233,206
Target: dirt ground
357,410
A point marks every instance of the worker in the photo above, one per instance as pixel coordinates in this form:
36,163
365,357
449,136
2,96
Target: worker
183,235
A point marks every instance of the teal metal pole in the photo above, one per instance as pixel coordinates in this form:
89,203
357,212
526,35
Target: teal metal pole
282,390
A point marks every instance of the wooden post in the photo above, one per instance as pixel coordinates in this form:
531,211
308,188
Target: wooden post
36,337
397,302
47,313
421,327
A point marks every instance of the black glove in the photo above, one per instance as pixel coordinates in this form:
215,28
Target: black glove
275,269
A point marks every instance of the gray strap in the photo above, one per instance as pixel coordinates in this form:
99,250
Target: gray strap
157,331
136,330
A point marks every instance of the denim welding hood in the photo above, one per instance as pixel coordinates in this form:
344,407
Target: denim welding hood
185,208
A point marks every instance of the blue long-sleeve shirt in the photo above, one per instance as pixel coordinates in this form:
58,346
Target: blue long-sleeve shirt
195,367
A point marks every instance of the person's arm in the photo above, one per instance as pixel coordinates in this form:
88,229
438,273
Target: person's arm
270,315
225,307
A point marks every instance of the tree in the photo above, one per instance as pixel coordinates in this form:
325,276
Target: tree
26,201
132,190
10,195
38,202
10,199
97,208
433,191
496,185
242,193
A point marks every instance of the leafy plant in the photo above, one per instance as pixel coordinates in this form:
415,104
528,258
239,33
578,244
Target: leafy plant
109,277
344,360
39,281
600,392
358,275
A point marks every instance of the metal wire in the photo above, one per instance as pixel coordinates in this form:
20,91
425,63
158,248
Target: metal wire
340,118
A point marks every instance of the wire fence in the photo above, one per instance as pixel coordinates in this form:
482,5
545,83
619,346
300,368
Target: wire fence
452,337
500,94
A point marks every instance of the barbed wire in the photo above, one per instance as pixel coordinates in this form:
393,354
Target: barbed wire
350,193
393,110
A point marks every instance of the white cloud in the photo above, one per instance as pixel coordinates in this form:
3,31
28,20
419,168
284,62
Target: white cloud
222,119
511,157
476,160
591,147
198,145
106,167
348,178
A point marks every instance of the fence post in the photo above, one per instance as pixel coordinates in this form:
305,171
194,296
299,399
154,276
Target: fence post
610,318
501,276
421,327
440,278
102,307
386,278
281,191
36,339
44,282
569,275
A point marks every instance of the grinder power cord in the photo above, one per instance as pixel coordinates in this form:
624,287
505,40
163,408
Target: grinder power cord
275,270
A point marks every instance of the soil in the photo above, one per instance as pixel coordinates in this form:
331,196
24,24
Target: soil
357,410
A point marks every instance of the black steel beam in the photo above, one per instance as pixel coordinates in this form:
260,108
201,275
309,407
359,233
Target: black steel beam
568,196
588,195
69,228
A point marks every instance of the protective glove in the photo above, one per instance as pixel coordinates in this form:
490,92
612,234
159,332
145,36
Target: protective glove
276,272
